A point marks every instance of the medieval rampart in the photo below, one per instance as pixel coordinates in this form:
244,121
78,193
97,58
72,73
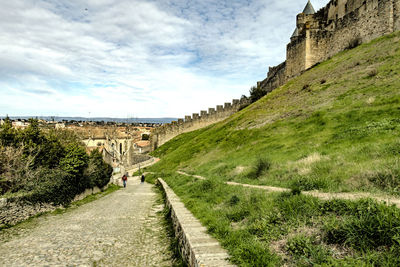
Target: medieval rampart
339,25
166,132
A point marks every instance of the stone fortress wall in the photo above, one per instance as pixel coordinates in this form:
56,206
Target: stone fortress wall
166,132
339,25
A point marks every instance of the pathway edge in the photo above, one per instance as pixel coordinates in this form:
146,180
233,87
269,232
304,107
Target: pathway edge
198,249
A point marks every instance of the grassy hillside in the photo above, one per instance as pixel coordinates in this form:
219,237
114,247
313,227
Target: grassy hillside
335,128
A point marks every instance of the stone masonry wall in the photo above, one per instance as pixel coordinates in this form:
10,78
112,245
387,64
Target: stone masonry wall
333,29
275,78
369,21
15,210
166,132
196,247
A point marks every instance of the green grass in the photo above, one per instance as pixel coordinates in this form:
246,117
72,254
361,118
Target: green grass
177,260
250,223
341,135
336,128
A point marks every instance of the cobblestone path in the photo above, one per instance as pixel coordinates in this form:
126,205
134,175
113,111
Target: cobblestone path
120,229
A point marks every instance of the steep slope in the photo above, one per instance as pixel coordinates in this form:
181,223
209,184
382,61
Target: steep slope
334,128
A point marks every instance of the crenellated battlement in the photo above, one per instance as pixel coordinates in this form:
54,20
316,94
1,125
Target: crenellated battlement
341,24
166,132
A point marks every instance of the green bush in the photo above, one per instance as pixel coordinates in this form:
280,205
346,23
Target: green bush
75,160
47,166
53,186
7,133
256,93
98,172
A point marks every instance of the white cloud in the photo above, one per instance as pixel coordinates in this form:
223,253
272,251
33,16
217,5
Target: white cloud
148,58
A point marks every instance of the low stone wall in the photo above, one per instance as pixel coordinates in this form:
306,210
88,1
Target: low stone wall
139,158
90,191
13,211
196,246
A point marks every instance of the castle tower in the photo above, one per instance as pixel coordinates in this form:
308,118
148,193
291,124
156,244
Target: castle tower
299,52
309,9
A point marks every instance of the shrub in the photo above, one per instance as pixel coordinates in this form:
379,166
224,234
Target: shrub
53,186
256,93
261,166
47,167
75,160
98,171
354,43
7,133
15,168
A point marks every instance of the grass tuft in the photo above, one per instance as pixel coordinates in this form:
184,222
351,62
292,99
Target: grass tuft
261,167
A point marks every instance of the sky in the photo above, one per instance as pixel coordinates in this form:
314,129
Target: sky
135,58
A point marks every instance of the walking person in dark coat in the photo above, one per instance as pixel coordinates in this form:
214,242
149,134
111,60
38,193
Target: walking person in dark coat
124,179
142,179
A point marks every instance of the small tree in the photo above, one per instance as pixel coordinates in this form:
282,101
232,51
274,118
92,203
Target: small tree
98,171
256,93
7,133
75,160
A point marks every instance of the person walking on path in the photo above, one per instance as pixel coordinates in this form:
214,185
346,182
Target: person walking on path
124,179
142,179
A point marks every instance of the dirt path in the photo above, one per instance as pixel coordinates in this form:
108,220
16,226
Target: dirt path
120,229
325,196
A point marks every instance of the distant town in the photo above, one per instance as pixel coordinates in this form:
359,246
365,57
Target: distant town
23,123
63,122
119,141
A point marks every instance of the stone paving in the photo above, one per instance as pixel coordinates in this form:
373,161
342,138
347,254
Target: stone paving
121,229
